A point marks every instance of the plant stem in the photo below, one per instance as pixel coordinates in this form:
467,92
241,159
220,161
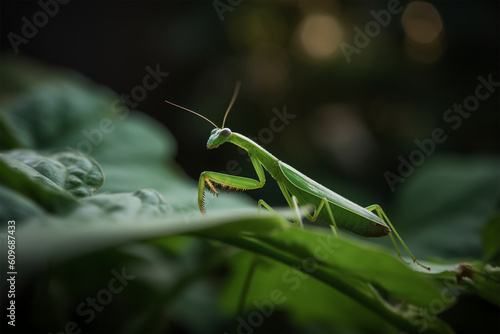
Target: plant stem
244,292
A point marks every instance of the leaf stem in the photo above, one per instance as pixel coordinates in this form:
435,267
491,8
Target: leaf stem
244,292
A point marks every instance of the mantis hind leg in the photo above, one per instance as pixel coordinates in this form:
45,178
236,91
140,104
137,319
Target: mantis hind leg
292,202
295,210
324,203
378,210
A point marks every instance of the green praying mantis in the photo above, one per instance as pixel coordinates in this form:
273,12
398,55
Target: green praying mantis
297,188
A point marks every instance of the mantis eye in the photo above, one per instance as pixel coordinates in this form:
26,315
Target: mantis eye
225,132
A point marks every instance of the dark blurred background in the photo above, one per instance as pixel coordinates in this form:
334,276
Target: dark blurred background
355,110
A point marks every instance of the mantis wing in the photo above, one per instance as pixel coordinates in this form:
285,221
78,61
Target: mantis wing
347,214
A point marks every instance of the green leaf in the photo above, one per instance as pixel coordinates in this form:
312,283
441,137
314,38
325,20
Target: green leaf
487,283
144,203
33,185
76,173
104,221
343,264
15,205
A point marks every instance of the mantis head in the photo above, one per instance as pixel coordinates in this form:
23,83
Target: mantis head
218,137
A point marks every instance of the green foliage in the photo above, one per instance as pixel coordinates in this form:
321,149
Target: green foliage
75,173
186,271
450,198
491,246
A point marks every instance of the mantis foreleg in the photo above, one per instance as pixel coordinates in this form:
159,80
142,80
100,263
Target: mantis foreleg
230,182
378,210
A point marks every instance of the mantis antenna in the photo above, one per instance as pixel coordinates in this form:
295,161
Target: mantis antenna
178,106
235,94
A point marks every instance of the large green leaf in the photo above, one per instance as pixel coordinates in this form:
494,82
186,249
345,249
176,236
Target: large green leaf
343,265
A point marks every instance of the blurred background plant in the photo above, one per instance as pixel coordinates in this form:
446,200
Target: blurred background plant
354,114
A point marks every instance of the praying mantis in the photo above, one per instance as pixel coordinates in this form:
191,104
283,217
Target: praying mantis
297,188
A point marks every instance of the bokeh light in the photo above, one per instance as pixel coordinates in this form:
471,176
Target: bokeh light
421,22
339,128
423,53
423,28
320,35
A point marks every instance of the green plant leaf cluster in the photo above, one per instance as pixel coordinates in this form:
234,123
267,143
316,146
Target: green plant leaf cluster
76,230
